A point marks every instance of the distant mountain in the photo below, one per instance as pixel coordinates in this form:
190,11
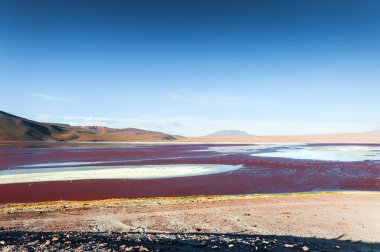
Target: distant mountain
229,133
14,128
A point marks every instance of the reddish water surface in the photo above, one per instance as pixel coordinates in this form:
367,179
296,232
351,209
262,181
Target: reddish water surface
257,175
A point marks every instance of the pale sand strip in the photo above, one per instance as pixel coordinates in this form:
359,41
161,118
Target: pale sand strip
364,138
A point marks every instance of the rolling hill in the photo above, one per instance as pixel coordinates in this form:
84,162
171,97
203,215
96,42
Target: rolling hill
14,128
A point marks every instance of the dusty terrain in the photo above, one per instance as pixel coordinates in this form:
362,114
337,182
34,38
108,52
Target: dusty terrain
307,218
364,137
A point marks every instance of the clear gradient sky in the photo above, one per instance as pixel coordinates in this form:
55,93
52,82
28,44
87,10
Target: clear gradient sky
193,67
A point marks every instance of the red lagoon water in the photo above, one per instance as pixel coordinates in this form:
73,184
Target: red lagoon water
256,175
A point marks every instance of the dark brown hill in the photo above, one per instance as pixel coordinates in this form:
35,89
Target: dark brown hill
14,128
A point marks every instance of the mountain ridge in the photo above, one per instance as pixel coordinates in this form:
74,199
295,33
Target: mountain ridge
15,128
229,133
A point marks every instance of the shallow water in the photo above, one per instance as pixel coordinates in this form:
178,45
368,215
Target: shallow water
31,172
326,153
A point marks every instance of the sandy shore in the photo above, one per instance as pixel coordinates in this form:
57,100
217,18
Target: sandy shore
349,216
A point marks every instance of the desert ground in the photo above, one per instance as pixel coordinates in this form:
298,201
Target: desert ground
365,137
311,221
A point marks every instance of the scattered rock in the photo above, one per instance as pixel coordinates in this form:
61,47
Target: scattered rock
179,242
141,248
33,243
289,245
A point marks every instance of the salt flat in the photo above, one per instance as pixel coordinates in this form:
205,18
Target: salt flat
109,172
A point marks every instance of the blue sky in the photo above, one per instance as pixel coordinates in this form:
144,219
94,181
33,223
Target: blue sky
193,67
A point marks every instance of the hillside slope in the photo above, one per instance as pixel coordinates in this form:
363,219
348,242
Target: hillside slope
14,128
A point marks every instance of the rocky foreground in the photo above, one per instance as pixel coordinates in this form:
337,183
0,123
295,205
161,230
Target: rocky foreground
78,241
299,222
